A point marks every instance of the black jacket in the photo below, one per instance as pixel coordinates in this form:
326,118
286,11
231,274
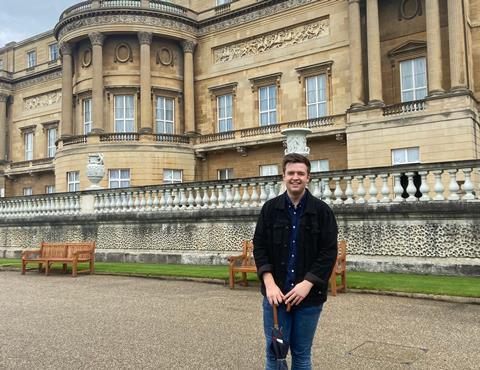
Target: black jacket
316,245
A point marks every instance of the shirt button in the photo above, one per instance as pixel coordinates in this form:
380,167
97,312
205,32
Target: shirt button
294,241
292,284
293,270
294,213
293,255
294,227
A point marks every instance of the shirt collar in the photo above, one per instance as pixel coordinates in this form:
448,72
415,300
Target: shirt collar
300,204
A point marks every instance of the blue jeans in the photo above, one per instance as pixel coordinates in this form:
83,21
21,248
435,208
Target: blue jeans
298,328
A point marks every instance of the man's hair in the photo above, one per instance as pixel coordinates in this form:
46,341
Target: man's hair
296,158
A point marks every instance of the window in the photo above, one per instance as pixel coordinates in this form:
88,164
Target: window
268,105
405,155
27,191
172,176
165,114
221,2
225,174
124,111
316,90
413,80
73,181
224,113
269,170
28,137
31,59
49,189
118,178
87,116
53,52
320,165
51,138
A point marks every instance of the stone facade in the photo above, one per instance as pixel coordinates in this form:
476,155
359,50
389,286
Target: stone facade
165,70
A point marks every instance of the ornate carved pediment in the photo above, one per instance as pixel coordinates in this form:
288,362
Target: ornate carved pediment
408,47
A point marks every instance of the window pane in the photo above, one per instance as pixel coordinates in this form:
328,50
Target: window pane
407,96
413,154
399,156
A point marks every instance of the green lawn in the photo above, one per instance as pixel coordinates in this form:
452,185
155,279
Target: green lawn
427,284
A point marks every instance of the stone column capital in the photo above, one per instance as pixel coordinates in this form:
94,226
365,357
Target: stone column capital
96,38
3,97
188,46
65,48
145,37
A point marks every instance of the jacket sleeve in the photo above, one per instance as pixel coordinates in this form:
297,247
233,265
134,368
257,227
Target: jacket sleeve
322,267
260,247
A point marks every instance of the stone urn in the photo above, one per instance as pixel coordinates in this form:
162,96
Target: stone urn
297,140
95,170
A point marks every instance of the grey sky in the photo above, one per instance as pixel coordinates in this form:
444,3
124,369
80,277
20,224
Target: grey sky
20,19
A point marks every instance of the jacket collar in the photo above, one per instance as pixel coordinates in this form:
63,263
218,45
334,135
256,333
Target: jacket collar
309,206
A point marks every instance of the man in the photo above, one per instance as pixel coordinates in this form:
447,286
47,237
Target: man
295,248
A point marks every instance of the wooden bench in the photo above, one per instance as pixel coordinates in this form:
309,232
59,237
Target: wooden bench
64,253
243,263
340,269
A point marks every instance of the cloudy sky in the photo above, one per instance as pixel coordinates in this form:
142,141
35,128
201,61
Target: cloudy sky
20,19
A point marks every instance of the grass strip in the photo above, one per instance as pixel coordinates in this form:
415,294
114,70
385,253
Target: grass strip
462,286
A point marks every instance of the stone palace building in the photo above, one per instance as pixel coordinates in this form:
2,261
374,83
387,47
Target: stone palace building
191,90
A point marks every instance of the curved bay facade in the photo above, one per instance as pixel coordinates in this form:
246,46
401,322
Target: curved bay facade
186,90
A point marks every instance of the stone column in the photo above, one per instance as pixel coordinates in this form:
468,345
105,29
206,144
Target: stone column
188,87
97,38
434,48
145,39
374,61
356,68
67,90
456,39
3,127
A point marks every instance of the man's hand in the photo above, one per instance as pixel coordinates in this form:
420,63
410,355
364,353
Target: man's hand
274,294
298,293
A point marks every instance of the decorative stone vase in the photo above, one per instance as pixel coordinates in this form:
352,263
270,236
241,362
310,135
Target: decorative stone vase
95,170
297,140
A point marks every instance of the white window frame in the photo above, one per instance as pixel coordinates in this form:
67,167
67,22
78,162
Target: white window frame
170,178
269,110
224,120
51,138
27,191
407,154
49,189
223,2
164,125
73,181
225,174
320,165
320,106
415,89
53,52
268,170
87,115
120,176
124,120
28,143
31,58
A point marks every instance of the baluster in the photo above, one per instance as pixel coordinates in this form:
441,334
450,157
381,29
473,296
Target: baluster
183,199
76,204
360,190
136,200
316,188
213,198
169,199
255,197
142,203
385,189
228,196
338,191
118,202
245,196
271,190
111,202
424,188
438,187
155,202
327,193
163,200
349,190
397,188
176,199
468,185
129,201
205,198
149,200
198,198
124,205
71,204
263,193
411,189
372,191
236,196
221,197
190,199
453,185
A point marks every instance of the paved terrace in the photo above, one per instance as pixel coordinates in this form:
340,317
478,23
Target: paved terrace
105,322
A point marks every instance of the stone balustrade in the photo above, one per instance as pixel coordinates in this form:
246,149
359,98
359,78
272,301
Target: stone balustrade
429,183
405,108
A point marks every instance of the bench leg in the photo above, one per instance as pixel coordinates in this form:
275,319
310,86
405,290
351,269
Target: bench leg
74,269
92,266
232,279
333,284
40,267
244,278
64,268
47,268
24,267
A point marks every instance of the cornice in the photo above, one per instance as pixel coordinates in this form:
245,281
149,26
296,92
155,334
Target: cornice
51,74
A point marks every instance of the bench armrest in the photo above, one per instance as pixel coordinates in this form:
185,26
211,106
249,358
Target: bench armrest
30,252
86,251
235,258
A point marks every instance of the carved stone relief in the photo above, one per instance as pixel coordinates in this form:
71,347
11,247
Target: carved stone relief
87,58
409,9
274,40
165,57
41,101
123,53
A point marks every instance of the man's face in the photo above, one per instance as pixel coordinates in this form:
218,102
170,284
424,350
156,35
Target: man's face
296,177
